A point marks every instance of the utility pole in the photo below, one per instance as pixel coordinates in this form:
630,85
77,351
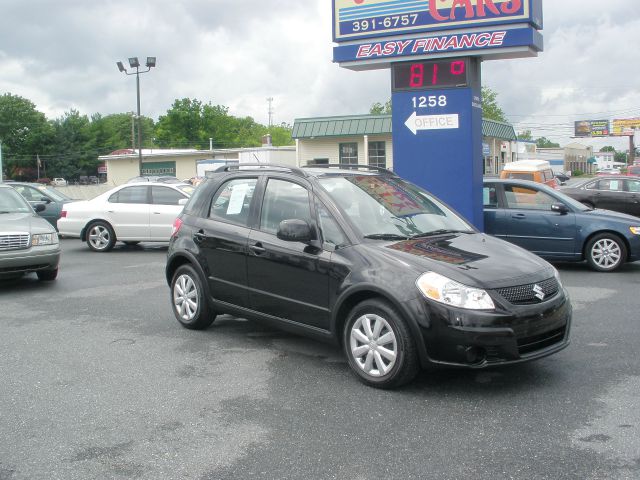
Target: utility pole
1,161
270,111
135,63
133,131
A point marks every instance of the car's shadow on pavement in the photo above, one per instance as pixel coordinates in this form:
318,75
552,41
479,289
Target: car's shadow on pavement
435,380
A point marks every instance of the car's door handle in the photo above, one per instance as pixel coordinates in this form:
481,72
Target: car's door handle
199,236
258,249
519,216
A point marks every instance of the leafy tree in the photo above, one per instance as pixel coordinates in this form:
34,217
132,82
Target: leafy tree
24,132
189,123
490,108
281,135
620,157
525,136
544,142
69,156
379,109
608,148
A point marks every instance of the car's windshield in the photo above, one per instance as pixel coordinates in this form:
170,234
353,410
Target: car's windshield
12,202
388,207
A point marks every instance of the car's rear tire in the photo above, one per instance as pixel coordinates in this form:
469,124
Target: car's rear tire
379,346
100,237
606,252
188,298
47,275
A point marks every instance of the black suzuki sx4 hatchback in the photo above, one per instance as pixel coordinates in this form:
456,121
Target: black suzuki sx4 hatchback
367,260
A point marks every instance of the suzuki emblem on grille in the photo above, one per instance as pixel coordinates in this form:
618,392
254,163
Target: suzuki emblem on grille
539,292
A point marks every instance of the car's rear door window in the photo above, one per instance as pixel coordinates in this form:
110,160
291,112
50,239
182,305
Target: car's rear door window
633,186
165,196
232,201
130,195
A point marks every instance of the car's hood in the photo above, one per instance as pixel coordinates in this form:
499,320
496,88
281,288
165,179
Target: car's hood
611,215
475,259
24,222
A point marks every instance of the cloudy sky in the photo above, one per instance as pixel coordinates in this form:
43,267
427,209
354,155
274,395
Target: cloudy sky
61,55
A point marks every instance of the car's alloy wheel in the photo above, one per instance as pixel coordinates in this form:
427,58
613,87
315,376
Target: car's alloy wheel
100,237
373,345
190,305
379,346
606,252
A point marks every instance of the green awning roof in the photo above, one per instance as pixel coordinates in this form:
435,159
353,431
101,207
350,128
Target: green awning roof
376,125
501,130
341,126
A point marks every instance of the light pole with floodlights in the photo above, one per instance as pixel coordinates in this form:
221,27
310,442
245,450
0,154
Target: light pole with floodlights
134,63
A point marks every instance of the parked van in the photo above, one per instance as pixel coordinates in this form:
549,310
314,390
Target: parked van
534,170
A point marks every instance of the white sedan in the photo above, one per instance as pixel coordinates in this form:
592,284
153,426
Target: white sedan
131,213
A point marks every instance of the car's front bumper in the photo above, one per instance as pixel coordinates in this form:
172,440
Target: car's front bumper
45,257
481,339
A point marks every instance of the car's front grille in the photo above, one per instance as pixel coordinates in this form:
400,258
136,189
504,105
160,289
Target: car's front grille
14,241
538,342
531,293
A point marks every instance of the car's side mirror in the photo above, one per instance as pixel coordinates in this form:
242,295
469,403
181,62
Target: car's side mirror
560,208
39,207
294,231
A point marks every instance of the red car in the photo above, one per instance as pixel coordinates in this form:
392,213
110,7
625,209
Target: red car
633,170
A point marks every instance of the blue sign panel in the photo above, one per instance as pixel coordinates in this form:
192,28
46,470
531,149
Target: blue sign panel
437,143
450,45
358,19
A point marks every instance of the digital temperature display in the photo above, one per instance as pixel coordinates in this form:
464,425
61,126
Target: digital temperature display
430,74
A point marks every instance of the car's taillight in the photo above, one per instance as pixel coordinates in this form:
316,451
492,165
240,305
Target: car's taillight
63,214
177,223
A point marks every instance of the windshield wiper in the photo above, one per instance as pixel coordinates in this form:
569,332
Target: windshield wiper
442,231
386,236
5,211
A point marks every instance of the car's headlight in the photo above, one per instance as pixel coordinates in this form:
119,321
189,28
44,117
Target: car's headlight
44,239
635,230
444,290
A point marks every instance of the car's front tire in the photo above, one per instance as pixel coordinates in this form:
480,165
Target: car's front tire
379,346
188,298
100,237
606,252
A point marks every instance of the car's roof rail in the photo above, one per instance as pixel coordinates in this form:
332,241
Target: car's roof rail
258,166
353,166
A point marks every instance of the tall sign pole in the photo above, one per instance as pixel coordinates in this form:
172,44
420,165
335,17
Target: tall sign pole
434,49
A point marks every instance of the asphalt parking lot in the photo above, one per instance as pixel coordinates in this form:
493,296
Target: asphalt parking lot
99,381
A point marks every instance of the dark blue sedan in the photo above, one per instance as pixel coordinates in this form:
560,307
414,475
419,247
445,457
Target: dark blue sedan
557,227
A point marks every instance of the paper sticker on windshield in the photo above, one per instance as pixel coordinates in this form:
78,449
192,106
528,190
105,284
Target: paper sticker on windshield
238,194
393,197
